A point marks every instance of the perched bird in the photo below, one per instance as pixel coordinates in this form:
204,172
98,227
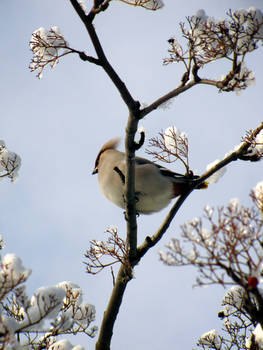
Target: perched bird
155,186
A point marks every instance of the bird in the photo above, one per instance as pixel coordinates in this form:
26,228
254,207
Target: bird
155,186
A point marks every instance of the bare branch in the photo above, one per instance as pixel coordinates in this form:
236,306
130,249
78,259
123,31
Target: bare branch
115,248
112,310
121,87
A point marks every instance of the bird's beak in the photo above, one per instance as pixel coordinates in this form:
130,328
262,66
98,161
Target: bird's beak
95,171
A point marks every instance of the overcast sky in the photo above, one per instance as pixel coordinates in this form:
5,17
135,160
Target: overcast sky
58,124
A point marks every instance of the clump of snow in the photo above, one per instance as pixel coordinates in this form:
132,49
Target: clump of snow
46,46
210,339
175,140
10,163
147,4
64,344
12,271
218,174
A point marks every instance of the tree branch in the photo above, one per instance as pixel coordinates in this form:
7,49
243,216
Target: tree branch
131,129
177,91
230,158
123,277
110,314
153,240
125,273
121,87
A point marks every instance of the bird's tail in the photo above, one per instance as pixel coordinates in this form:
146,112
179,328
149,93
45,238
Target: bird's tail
182,183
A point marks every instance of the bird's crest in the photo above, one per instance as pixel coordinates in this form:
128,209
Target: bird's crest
111,144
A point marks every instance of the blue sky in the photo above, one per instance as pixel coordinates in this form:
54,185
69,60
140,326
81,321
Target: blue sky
58,124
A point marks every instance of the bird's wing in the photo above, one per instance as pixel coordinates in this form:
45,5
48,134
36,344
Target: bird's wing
166,172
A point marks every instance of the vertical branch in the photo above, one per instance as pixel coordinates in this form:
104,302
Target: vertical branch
110,314
124,274
131,129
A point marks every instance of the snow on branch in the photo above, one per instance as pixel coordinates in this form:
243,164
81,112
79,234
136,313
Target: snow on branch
114,248
240,328
147,4
12,274
171,145
46,46
225,246
255,150
10,163
257,196
51,311
209,39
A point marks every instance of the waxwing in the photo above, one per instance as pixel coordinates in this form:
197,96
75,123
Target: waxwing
155,186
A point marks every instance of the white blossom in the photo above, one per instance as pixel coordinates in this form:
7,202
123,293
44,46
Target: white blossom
218,174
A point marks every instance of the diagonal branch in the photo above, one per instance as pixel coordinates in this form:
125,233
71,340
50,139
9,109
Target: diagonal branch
233,156
110,314
135,114
119,84
153,240
176,92
125,276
